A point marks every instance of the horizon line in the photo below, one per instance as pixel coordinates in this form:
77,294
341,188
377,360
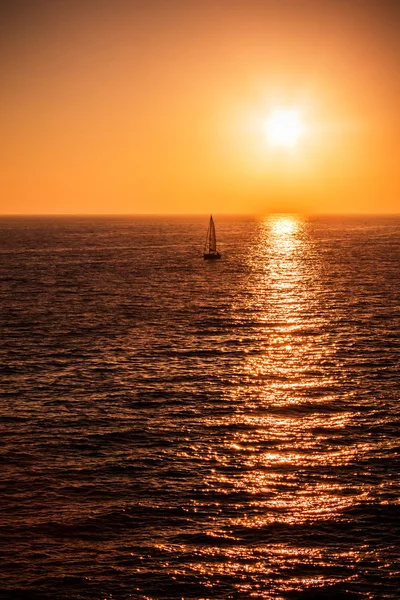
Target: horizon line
202,214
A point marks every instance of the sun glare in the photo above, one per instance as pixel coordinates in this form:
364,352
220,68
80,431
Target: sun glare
284,127
284,226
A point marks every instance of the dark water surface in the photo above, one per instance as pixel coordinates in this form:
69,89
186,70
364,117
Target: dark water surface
179,428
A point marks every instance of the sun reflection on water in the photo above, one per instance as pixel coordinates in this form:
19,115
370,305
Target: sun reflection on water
284,299
270,470
286,397
283,231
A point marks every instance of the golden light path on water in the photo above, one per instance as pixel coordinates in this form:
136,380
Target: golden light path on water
280,456
286,294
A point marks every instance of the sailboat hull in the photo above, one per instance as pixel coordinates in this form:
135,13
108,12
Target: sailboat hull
211,255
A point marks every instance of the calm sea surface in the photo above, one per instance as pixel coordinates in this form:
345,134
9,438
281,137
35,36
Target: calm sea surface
179,428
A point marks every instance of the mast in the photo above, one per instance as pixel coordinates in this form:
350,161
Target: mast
212,239
211,242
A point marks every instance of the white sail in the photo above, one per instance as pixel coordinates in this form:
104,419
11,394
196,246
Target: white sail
212,238
210,250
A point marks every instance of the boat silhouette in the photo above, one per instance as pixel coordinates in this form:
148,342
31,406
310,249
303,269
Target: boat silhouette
210,249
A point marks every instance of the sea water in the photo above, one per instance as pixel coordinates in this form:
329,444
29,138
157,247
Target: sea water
179,428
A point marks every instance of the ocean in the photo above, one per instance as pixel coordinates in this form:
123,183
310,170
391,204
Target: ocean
175,428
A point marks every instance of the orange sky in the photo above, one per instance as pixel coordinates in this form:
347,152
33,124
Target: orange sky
157,106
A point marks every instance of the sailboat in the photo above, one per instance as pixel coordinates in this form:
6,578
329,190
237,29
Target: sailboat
210,249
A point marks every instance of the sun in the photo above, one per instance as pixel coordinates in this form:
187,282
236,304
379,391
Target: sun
284,127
